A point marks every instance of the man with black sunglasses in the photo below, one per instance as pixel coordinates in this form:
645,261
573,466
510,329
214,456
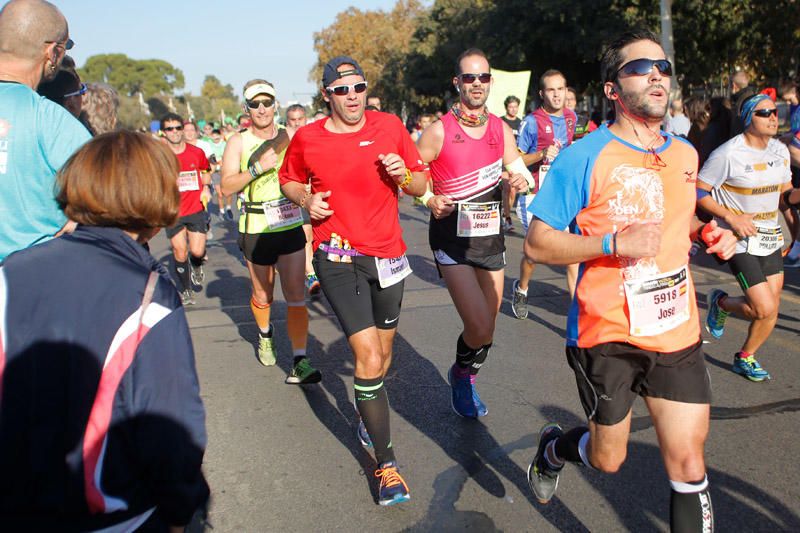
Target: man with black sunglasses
36,135
271,236
188,236
627,193
355,161
467,150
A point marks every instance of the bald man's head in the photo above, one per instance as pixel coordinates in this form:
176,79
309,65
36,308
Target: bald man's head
27,25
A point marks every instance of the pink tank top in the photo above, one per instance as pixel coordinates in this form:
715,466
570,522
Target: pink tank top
467,167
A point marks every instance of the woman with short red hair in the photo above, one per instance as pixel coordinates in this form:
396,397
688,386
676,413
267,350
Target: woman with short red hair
101,422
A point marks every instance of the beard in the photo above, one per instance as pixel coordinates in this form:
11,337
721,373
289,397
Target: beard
639,104
474,102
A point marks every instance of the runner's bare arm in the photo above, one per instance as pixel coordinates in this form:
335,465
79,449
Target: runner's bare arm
315,204
789,213
518,181
396,168
544,244
233,180
533,157
429,144
742,224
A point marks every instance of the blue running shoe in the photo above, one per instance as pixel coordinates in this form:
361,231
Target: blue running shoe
715,319
363,436
480,407
312,284
392,488
462,397
749,368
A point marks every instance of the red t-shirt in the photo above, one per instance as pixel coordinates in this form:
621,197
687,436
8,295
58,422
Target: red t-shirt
192,161
363,196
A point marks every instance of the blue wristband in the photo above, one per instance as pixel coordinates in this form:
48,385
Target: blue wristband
702,193
607,244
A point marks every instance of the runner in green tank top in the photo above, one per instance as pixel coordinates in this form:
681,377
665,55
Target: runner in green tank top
270,228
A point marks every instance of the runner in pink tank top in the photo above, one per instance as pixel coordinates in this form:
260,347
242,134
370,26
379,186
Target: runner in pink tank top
466,150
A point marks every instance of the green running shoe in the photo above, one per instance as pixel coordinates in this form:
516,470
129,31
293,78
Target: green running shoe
303,373
266,350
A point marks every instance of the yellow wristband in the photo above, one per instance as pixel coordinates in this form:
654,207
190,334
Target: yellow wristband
425,197
407,180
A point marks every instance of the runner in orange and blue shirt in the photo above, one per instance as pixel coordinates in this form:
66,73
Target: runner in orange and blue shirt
627,193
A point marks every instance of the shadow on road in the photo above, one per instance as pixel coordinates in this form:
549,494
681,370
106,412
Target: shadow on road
639,493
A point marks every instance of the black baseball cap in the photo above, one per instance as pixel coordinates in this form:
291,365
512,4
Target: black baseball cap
331,73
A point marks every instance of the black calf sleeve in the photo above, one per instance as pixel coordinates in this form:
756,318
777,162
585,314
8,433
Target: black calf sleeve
479,359
373,406
465,355
690,507
184,275
196,261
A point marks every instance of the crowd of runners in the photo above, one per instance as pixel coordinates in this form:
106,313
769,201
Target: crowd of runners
316,205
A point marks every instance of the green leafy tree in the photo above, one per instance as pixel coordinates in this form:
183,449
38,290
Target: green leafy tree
214,89
130,76
374,39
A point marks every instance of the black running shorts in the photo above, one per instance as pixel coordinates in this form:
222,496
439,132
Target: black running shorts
355,294
492,263
195,223
750,270
611,375
265,248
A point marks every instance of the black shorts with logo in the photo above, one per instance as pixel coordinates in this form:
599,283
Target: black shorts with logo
195,223
265,248
610,376
750,270
355,294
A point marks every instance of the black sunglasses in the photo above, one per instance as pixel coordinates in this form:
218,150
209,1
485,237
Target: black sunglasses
644,66
483,77
766,113
341,90
173,128
67,45
253,104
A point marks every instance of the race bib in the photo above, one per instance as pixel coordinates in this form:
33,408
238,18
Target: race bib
478,219
765,241
188,181
658,303
392,270
282,213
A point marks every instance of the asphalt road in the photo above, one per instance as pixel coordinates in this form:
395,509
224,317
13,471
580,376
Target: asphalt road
286,458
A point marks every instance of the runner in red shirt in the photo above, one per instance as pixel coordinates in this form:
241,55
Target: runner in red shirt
193,181
355,161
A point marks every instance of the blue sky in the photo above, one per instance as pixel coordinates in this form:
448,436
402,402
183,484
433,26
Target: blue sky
235,40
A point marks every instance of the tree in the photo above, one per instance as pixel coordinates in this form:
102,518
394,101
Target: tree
130,76
213,88
373,38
